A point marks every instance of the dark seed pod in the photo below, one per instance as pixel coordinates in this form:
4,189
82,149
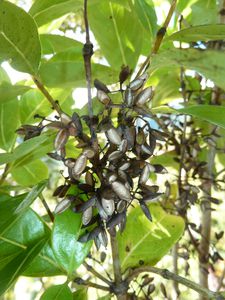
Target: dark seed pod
102,256
146,210
61,139
97,242
62,206
144,96
115,155
94,233
123,146
84,238
79,165
87,215
89,179
145,174
88,152
160,169
124,74
114,136
77,123
151,196
129,97
115,220
101,211
124,166
102,236
89,203
55,156
101,86
139,82
61,190
103,97
122,192
121,206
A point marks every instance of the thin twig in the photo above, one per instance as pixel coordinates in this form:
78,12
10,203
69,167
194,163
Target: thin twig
98,275
4,174
45,92
159,37
50,214
80,281
171,276
116,260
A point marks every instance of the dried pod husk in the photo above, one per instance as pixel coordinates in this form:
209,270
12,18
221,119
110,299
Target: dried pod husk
89,152
77,123
146,149
101,86
102,236
87,215
62,206
55,156
113,136
101,211
108,206
80,165
84,238
123,146
94,233
122,192
144,96
151,289
89,179
115,155
86,188
61,190
160,169
129,97
61,139
115,220
121,206
65,119
138,82
103,97
150,197
146,210
97,243
89,203
124,74
130,134
145,174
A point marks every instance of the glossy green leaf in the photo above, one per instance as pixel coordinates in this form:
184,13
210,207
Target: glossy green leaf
210,63
58,292
204,12
20,243
44,264
80,294
211,113
31,196
9,91
31,173
53,43
9,122
44,11
29,150
19,40
71,74
119,40
199,33
67,250
147,242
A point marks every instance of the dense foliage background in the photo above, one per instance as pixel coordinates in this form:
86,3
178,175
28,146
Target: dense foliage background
43,41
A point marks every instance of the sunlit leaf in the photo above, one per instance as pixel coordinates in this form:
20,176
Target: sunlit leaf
147,242
10,92
57,292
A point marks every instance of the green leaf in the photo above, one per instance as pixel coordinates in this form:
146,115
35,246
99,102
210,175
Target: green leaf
119,40
44,264
19,40
20,242
9,122
31,173
203,12
9,91
80,294
58,292
71,74
52,43
31,196
146,14
29,150
211,113
147,242
45,11
68,251
210,63
199,33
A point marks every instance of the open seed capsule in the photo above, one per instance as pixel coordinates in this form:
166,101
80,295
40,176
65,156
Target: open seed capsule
87,215
61,139
128,97
79,165
103,97
145,174
62,206
139,82
144,96
115,155
108,206
65,118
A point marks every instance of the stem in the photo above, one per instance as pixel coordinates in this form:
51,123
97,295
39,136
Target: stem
45,92
98,275
50,214
4,174
159,37
80,281
171,276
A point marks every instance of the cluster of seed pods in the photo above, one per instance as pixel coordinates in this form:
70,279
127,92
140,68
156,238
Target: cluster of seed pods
114,176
